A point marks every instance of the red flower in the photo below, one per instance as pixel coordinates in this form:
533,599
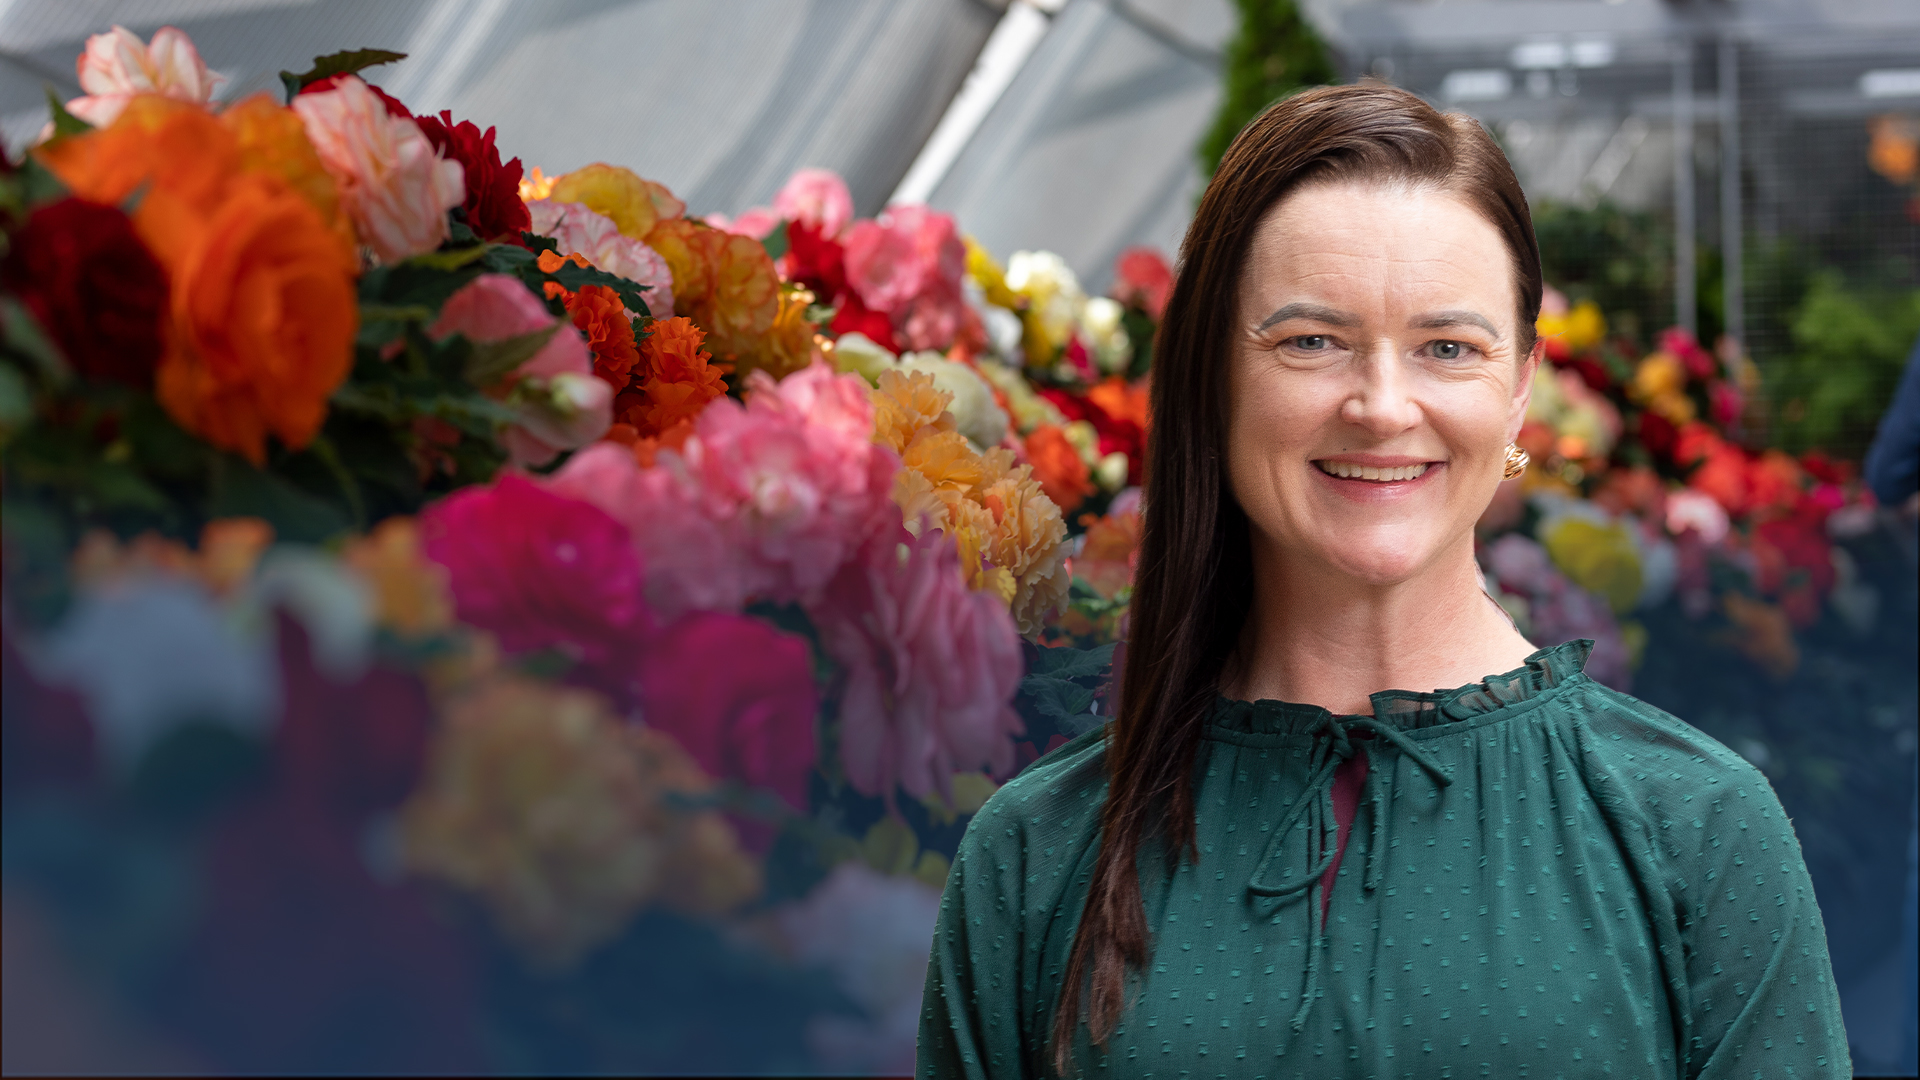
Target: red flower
1143,279
493,207
1682,346
855,317
394,108
1657,434
94,287
815,260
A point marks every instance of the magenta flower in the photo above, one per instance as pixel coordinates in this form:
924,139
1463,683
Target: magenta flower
739,696
931,667
539,570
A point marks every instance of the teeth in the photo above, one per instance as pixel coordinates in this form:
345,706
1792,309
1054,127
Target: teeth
1349,471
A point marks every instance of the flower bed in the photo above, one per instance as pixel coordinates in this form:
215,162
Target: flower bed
459,618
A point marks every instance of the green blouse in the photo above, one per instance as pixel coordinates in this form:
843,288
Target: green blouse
1545,878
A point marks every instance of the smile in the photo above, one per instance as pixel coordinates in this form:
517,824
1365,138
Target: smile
1348,471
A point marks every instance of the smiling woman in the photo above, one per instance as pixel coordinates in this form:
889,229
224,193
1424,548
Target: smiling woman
1275,862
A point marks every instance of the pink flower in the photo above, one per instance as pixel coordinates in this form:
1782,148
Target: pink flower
117,65
574,227
931,667
561,404
819,199
1696,510
757,222
739,696
908,263
1143,278
763,501
393,182
539,570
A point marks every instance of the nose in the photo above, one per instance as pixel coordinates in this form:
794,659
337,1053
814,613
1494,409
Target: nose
1380,399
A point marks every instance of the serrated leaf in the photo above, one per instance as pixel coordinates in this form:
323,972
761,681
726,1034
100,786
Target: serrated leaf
1056,699
347,62
1068,663
574,276
64,122
492,359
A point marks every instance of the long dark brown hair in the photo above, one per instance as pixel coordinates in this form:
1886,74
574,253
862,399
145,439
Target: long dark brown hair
1191,590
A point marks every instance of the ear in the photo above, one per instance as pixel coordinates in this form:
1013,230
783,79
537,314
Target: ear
1523,390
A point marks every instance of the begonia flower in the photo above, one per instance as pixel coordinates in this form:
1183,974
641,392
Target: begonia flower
493,207
394,184
816,198
117,65
577,228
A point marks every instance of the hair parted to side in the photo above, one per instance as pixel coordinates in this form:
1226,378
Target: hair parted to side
1191,590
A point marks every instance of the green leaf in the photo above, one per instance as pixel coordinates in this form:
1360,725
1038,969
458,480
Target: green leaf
64,122
240,490
1069,663
341,63
574,276
16,402
23,335
1056,699
776,242
493,359
452,259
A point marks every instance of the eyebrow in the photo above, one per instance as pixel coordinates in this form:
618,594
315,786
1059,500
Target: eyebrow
1440,320
1315,312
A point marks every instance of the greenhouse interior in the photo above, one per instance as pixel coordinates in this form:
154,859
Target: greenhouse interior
442,444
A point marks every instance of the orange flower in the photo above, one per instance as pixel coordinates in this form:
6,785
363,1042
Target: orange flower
1061,470
676,379
728,285
273,140
905,402
602,319
262,307
264,317
1122,401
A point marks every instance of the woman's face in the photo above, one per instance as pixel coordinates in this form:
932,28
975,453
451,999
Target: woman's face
1375,380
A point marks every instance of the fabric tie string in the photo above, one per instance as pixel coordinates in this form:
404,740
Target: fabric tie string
1332,745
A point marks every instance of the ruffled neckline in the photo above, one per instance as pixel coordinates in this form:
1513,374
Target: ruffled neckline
1408,710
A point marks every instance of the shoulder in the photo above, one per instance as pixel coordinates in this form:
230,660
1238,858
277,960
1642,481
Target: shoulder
1669,778
1054,803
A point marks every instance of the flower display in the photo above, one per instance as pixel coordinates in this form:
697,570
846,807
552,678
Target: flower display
393,181
117,65
908,264
675,382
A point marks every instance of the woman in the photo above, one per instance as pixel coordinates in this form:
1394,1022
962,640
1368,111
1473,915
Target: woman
1273,863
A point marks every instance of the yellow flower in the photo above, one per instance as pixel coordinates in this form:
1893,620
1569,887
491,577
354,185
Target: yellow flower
903,404
1579,329
987,274
1599,558
559,817
1657,375
535,185
635,205
411,592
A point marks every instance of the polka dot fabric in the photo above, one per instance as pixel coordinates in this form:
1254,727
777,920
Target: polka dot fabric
1546,878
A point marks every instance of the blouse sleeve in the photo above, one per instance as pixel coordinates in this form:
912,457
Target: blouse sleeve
970,1018
1760,996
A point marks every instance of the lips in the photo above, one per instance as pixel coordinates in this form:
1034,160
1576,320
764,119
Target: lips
1348,470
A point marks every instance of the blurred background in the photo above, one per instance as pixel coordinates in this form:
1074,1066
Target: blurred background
1747,171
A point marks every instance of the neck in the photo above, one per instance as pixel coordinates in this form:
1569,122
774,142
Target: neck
1319,637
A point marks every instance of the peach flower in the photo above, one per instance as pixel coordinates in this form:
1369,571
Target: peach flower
117,65
576,227
395,185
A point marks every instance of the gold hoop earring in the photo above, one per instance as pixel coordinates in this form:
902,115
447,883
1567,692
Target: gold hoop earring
1517,460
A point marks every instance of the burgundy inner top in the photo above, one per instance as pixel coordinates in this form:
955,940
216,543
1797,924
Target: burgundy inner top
1348,780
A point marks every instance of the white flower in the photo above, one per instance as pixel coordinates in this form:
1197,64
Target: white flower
1100,328
860,355
975,413
150,653
1051,289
